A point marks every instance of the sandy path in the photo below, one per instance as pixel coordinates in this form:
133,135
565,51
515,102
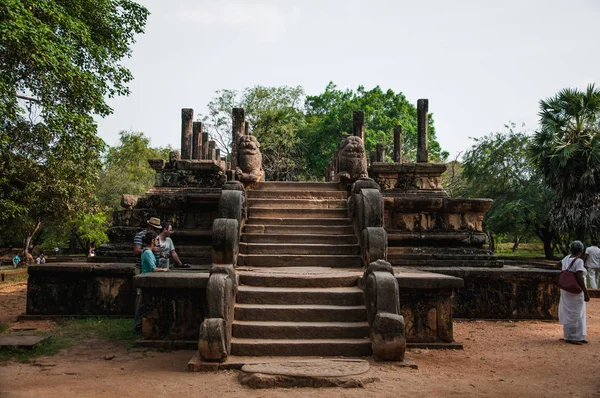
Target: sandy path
499,359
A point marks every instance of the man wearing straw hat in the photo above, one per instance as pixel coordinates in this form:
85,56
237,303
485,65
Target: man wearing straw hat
153,225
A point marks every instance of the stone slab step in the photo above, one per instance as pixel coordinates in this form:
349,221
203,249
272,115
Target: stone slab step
299,278
295,260
281,212
299,248
300,229
291,220
300,238
308,194
297,186
300,330
300,313
289,347
297,203
296,295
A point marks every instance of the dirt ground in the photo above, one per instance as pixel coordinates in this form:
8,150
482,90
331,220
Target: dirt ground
499,359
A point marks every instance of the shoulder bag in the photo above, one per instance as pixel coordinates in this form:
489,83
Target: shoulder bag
567,280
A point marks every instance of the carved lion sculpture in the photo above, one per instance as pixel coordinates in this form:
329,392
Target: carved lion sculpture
352,159
249,168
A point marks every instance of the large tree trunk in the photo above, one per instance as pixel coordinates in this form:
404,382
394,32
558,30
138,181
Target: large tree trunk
546,235
26,254
516,242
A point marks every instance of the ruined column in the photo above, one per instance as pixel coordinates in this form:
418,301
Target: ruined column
205,146
358,124
380,153
197,140
398,144
422,131
187,115
246,129
217,154
372,157
237,130
212,152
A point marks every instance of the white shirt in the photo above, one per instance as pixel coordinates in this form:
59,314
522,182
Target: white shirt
593,260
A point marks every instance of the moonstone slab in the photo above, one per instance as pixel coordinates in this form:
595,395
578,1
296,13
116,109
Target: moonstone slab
311,368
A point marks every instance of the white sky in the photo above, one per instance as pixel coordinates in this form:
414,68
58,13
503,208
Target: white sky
480,63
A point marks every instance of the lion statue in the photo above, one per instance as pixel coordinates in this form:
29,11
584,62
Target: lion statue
352,159
249,167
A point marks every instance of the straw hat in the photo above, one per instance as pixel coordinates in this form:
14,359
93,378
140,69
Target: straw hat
154,222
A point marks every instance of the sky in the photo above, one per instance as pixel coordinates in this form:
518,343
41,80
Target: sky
480,63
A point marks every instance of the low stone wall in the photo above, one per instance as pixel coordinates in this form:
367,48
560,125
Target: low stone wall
173,304
80,289
505,293
426,304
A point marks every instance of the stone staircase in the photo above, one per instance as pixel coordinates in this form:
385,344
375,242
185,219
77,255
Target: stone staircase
299,265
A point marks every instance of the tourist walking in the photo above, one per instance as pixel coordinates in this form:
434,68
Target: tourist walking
592,263
16,260
168,248
571,308
149,241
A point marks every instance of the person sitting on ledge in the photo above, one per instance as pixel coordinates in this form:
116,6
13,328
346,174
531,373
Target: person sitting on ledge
168,248
571,307
150,240
153,225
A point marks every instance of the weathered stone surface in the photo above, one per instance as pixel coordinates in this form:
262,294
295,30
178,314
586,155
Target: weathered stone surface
157,164
388,337
374,244
232,204
249,166
311,367
187,120
406,177
352,160
225,240
212,344
259,380
129,201
21,341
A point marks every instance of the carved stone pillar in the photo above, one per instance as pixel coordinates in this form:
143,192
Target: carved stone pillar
187,115
422,131
398,144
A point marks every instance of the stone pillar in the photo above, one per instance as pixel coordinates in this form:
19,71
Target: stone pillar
212,152
237,130
218,154
358,125
398,144
187,116
197,140
205,146
380,151
422,131
372,157
246,129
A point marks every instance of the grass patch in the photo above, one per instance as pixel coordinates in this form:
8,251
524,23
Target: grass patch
524,250
15,277
70,331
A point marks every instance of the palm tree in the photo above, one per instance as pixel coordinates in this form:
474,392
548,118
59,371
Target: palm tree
566,150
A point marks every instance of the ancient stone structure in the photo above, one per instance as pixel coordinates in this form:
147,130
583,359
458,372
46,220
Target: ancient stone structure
352,163
249,160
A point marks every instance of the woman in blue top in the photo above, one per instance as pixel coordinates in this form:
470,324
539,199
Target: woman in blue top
148,265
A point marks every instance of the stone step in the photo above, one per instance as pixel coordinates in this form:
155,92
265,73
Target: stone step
300,277
297,186
299,248
300,295
285,203
300,229
308,194
316,347
295,260
300,313
279,212
291,220
300,330
299,238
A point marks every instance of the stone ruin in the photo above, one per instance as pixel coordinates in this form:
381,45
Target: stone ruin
373,260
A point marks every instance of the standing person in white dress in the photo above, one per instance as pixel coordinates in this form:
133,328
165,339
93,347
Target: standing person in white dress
592,263
571,309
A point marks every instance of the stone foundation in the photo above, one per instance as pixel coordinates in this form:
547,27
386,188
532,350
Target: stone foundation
80,289
505,293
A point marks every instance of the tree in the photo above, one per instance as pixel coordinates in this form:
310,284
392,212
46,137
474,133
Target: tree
274,115
497,167
63,57
566,151
126,168
329,115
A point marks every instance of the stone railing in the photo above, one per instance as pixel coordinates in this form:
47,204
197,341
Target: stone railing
215,332
388,336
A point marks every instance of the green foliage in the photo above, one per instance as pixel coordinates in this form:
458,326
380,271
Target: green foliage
497,167
126,168
329,115
566,151
66,56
